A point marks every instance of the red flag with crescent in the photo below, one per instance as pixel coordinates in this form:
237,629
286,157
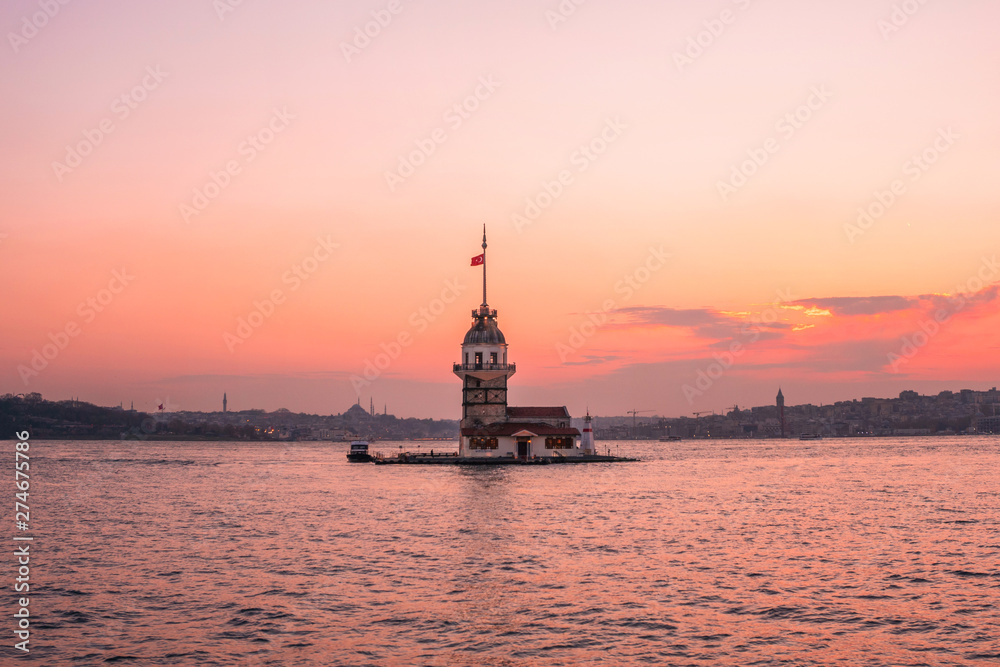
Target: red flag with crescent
478,259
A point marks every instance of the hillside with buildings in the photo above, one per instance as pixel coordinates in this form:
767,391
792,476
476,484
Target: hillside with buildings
948,413
74,419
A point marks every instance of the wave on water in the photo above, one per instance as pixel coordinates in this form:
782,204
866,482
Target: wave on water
866,553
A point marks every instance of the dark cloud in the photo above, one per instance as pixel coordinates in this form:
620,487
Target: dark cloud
860,305
748,337
593,360
956,303
703,322
671,317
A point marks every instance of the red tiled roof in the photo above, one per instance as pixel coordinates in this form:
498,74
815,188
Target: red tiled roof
550,412
510,428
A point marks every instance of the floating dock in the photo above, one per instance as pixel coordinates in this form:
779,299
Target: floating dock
409,458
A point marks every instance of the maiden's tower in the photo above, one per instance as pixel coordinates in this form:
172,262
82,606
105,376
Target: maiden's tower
490,428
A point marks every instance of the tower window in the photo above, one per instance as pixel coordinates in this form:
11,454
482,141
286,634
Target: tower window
493,357
479,359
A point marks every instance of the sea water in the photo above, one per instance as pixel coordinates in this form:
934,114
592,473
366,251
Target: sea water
752,552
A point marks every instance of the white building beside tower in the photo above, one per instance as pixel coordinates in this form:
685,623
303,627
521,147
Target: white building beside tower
490,427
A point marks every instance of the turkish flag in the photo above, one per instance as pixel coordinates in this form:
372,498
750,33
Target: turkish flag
478,259
161,406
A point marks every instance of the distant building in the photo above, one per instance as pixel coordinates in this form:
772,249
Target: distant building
984,424
987,417
491,428
357,413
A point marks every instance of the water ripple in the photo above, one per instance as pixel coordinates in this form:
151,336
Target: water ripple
841,552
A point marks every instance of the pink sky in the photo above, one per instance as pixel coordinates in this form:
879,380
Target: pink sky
308,136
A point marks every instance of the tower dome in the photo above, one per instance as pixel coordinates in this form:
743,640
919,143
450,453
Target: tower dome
484,330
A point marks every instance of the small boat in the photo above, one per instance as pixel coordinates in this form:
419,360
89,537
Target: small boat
359,452
810,436
671,438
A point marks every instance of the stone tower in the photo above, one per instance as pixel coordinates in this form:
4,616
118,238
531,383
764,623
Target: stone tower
484,368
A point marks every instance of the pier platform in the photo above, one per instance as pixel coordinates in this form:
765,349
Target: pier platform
409,458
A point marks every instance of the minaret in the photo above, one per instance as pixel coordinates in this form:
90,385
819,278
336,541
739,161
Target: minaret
781,411
484,369
224,401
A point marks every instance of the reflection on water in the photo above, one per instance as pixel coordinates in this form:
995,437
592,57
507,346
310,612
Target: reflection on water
838,552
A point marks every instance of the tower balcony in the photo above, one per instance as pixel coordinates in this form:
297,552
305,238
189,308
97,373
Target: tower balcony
508,368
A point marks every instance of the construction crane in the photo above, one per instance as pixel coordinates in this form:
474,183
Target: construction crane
634,413
703,412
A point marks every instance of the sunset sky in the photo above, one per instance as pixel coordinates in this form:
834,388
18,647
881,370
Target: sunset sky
689,204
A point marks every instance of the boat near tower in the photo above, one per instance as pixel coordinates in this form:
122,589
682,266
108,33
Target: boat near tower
493,432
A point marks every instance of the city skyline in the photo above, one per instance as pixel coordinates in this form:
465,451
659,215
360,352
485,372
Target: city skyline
950,413
688,206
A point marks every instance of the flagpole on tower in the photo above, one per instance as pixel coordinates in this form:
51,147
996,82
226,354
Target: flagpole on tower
484,266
